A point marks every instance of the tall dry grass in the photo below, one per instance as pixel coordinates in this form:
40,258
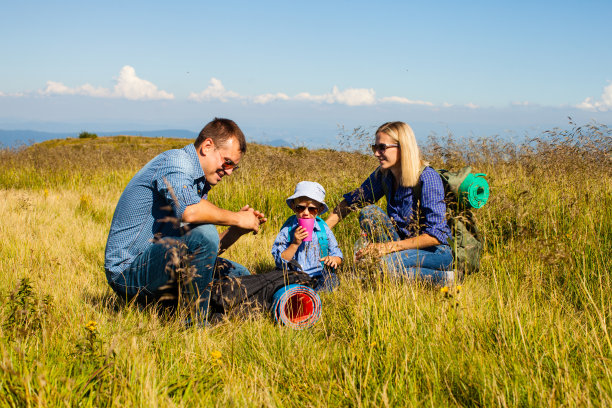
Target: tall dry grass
531,329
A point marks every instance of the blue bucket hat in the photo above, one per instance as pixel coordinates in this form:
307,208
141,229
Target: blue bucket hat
312,190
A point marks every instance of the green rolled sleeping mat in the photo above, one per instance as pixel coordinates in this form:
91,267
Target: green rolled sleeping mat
474,190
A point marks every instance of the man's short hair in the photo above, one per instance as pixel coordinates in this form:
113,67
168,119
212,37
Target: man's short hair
220,130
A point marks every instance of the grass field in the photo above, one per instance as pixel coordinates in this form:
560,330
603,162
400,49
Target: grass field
531,329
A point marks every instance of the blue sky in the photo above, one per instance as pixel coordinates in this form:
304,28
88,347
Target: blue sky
283,69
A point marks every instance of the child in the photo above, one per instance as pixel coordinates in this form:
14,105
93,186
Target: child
319,257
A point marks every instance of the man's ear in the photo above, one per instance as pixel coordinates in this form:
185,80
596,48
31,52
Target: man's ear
206,146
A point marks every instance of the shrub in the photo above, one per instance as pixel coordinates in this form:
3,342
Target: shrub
87,135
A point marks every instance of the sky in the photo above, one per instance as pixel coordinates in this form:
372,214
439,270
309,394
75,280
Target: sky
300,71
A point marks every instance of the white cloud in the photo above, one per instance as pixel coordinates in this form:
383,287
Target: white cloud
13,94
215,91
471,105
350,96
405,101
128,86
57,88
354,97
265,98
306,96
604,105
518,103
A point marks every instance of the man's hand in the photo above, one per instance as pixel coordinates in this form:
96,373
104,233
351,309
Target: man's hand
373,251
331,261
299,236
249,219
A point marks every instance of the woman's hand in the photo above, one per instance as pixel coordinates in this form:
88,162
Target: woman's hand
299,236
373,251
331,261
382,249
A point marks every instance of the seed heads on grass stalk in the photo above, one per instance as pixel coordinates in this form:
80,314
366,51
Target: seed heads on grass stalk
474,359
180,289
451,294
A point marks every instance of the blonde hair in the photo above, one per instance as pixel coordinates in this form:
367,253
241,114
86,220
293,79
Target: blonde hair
410,155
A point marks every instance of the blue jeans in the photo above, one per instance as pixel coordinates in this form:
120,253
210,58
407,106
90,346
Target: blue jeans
150,270
432,264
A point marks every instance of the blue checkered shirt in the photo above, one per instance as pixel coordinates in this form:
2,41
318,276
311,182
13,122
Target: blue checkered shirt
147,199
402,207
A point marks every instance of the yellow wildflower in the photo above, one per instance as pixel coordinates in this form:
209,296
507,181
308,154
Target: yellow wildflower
444,290
216,354
91,326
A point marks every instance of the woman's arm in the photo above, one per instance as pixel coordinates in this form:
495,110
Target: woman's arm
370,191
338,213
434,209
377,250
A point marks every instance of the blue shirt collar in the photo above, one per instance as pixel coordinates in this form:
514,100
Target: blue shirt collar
198,172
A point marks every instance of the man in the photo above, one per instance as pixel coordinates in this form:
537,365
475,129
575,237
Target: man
164,207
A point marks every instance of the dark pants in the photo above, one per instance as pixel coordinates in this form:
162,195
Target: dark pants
151,271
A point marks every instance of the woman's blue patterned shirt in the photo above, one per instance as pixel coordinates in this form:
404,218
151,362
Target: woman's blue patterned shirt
402,208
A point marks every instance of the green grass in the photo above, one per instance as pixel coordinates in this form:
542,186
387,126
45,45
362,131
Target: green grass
531,329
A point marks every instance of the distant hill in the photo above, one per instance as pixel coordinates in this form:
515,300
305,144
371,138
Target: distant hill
14,138
277,143
175,133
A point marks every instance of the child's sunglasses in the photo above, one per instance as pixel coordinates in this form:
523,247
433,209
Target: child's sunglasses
311,210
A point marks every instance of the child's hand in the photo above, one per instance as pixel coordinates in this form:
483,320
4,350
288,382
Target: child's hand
299,235
331,261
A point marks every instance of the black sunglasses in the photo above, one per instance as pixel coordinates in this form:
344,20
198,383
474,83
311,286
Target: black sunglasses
229,165
312,210
381,147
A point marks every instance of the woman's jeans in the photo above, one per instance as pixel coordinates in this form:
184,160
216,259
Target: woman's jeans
433,264
151,270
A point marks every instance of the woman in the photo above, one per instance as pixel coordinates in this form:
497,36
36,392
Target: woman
412,238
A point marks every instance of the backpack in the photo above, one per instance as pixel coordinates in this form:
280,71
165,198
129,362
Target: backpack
251,293
321,235
464,191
